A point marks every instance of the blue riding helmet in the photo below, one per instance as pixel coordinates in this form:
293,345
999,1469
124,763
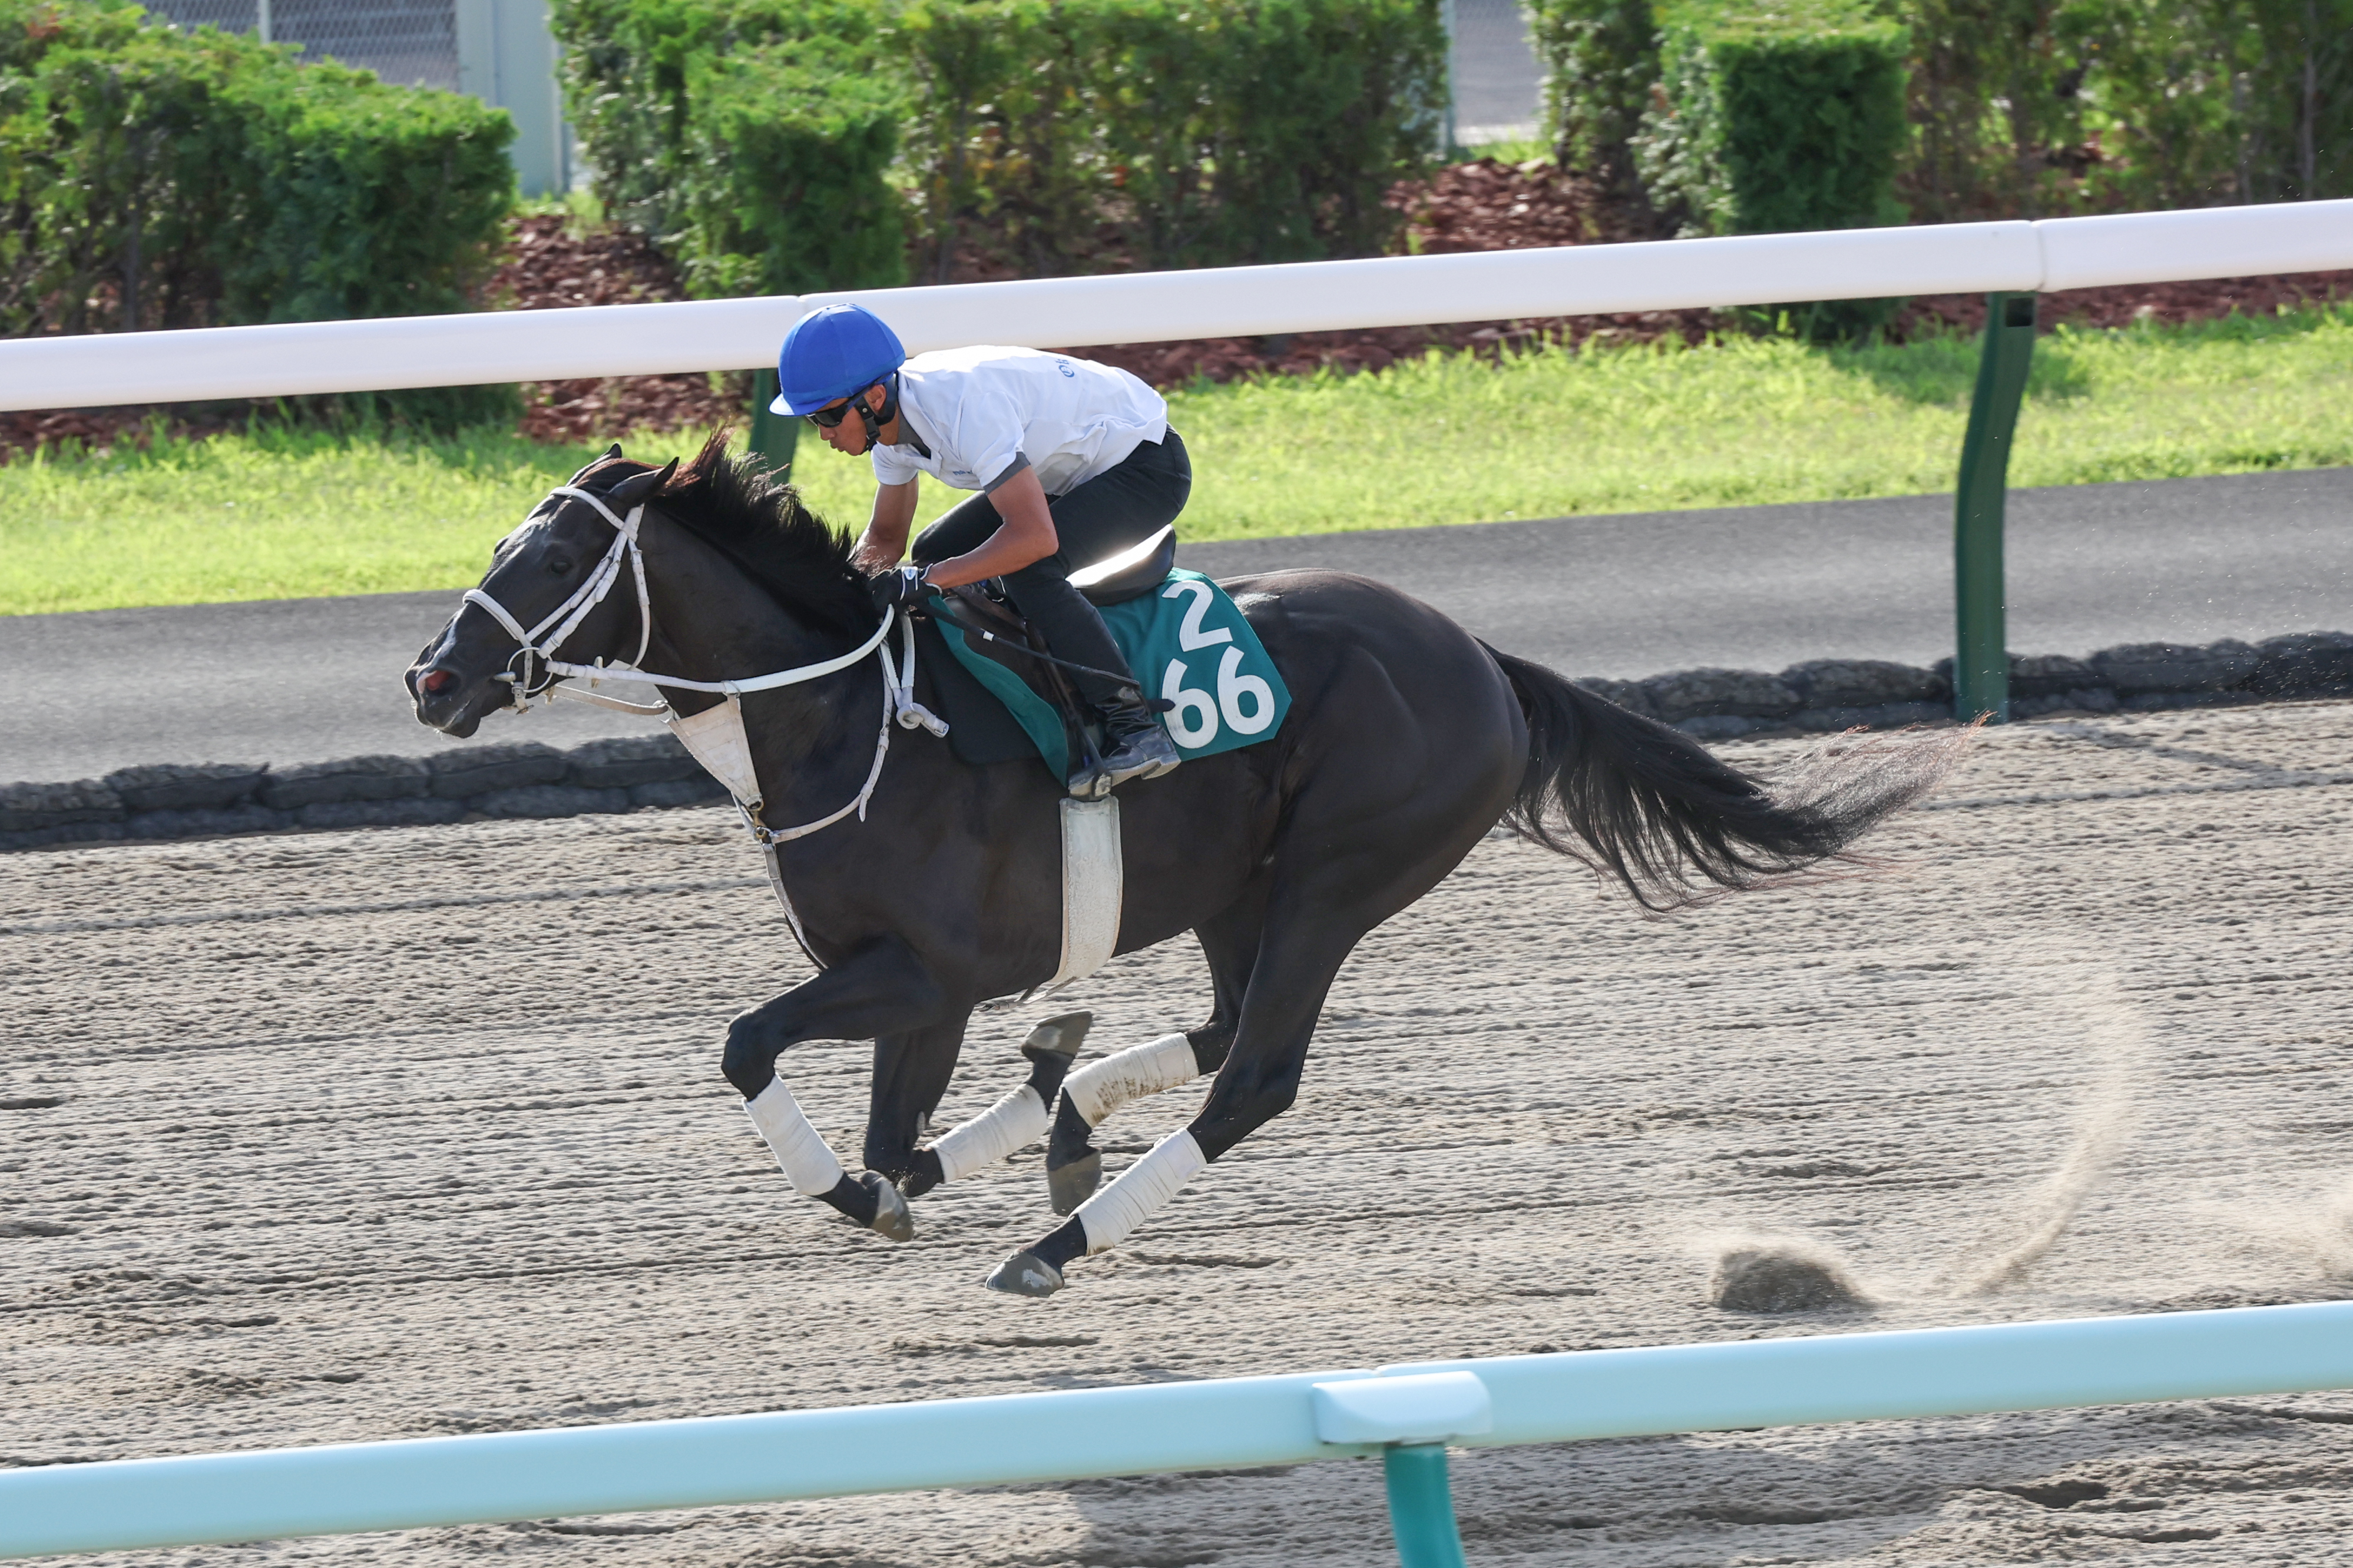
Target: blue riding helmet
830,354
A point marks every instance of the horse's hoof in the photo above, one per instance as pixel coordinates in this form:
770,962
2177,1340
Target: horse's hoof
1068,1186
1061,1036
891,1217
1025,1274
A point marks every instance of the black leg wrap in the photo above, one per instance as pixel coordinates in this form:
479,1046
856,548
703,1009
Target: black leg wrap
1068,1242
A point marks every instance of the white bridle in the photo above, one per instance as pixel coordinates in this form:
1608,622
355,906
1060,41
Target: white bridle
542,641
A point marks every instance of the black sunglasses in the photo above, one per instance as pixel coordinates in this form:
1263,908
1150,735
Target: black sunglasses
827,418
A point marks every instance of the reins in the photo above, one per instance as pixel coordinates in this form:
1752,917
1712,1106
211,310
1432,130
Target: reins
937,610
542,641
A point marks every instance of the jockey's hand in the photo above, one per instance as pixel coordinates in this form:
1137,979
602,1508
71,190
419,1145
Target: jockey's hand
902,586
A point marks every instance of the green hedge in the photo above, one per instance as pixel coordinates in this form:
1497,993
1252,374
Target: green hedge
1777,122
1037,137
2025,108
1171,132
625,66
1600,62
2195,102
151,178
785,175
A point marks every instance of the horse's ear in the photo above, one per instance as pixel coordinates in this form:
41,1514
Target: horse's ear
637,489
611,452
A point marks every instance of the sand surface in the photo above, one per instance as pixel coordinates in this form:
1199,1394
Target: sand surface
395,1134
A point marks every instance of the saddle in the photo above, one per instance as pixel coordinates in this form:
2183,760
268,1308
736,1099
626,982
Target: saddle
998,632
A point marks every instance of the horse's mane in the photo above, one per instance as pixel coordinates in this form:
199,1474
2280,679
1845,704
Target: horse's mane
757,521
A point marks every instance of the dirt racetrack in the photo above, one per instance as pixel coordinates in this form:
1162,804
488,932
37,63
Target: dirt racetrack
395,1134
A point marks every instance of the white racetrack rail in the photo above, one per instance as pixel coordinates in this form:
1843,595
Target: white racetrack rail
1156,306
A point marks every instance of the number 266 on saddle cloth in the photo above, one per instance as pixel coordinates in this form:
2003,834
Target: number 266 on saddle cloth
1188,642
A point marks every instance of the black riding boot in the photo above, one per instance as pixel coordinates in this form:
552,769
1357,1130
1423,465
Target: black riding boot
1136,743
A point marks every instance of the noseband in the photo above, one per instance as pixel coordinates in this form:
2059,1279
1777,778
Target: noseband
542,641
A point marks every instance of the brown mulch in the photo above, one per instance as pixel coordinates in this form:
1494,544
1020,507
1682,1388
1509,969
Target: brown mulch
1483,205
2207,299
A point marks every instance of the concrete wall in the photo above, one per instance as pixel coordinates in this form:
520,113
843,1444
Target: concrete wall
507,57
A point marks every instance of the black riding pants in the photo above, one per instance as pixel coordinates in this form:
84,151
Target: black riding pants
1122,506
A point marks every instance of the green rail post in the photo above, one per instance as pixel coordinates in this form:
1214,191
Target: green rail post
1982,657
774,435
1422,1505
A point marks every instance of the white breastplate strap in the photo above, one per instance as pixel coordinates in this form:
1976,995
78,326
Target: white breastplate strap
800,1149
1142,1189
1013,1122
1125,1077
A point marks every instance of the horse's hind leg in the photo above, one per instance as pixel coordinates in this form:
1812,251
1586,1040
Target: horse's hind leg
1016,1122
1296,964
1073,1165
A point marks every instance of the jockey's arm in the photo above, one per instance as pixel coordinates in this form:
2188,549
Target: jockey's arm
1026,537
885,538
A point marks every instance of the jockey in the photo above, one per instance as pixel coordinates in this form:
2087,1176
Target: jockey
1073,461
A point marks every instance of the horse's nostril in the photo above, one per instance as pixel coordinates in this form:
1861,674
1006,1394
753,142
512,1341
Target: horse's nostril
436,681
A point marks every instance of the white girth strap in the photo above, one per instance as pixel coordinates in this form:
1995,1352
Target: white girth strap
1014,1121
1140,1192
1125,1077
800,1149
1093,884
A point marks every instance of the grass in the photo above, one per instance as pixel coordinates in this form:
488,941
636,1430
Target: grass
1449,439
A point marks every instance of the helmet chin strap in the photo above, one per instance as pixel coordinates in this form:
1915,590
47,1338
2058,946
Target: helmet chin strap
872,420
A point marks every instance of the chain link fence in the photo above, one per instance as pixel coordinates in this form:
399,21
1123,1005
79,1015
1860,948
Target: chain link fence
1498,85
413,43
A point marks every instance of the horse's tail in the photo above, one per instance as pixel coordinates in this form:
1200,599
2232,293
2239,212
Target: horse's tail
1650,805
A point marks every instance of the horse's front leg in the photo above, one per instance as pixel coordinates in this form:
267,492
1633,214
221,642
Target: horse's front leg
1016,1120
910,1074
881,991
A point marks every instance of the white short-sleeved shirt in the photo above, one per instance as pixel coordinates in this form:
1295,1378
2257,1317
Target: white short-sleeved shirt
983,415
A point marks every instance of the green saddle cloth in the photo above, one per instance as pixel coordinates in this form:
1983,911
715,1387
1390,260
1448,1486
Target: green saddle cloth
1188,642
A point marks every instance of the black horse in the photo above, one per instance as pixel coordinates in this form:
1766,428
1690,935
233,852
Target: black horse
1407,740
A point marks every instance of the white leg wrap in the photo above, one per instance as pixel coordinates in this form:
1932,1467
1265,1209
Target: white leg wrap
1141,1190
1101,1087
1019,1119
808,1163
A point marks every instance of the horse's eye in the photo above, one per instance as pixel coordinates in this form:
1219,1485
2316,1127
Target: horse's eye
560,567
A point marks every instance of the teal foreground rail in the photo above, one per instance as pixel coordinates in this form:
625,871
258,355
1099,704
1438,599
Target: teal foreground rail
1405,1411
